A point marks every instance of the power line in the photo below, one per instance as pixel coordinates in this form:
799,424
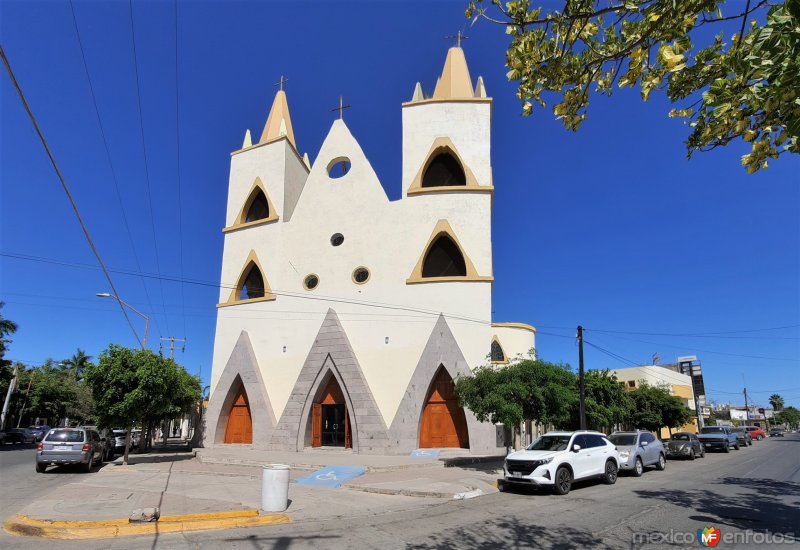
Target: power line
708,334
65,188
611,354
108,157
178,166
146,168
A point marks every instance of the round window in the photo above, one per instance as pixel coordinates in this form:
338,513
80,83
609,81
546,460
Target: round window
360,275
310,282
337,239
338,167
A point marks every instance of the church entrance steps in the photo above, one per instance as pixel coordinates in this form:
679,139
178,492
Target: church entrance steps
314,459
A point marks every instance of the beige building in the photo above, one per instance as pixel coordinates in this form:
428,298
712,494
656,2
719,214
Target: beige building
680,385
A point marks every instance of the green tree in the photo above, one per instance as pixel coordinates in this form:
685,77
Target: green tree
789,416
531,389
742,83
607,402
655,408
77,363
776,401
7,328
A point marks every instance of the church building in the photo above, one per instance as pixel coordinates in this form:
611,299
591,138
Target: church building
344,317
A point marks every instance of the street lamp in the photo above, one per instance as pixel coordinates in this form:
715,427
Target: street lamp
145,317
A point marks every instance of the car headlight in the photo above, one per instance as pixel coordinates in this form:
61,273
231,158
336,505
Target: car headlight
685,450
545,461
624,455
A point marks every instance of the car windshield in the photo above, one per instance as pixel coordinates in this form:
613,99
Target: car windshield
712,430
69,436
550,443
623,439
738,430
680,437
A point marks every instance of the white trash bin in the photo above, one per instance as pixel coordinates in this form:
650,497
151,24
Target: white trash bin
275,488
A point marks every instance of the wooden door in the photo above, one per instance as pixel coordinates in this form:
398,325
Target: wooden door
348,440
240,425
443,421
316,425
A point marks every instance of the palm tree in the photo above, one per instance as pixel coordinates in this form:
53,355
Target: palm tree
78,363
776,401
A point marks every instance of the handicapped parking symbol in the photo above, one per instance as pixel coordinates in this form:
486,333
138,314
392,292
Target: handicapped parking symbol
327,476
423,453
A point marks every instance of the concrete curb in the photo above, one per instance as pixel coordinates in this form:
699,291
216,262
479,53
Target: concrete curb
78,530
313,467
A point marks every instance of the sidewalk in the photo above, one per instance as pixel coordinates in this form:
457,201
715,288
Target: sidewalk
221,488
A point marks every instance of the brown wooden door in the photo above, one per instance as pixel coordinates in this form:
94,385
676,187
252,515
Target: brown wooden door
348,440
443,421
316,425
240,425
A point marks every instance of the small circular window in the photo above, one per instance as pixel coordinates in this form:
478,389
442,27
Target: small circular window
338,167
360,275
310,282
337,239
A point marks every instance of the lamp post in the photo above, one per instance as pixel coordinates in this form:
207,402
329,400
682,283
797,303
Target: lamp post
145,317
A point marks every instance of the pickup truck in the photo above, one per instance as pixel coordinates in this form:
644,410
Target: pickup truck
718,437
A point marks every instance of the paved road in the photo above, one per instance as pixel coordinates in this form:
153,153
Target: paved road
757,489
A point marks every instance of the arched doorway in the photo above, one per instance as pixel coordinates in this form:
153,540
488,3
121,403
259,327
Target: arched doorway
330,421
239,428
443,421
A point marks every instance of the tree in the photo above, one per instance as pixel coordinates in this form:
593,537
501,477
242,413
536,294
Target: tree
789,416
744,88
7,328
78,363
776,401
528,390
655,408
607,402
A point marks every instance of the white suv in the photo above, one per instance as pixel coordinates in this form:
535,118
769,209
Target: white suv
558,458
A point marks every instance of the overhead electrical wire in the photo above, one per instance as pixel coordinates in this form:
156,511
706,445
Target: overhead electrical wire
66,190
146,168
110,163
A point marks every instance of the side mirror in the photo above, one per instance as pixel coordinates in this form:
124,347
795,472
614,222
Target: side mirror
645,443
576,448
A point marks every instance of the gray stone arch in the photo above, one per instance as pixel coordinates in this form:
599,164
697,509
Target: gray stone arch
441,351
241,371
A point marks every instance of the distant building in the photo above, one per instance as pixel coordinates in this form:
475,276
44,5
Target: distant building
679,385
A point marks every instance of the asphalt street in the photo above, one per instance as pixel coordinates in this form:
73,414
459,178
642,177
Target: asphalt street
752,495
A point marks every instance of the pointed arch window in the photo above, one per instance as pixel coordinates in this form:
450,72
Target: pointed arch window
497,353
444,259
444,170
256,210
252,285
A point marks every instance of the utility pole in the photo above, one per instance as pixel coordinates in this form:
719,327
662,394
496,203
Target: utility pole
746,408
11,387
172,341
580,379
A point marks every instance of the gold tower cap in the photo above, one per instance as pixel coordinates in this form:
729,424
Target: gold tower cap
279,124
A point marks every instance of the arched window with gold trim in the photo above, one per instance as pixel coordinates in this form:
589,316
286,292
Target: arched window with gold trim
253,285
444,170
444,259
258,209
498,355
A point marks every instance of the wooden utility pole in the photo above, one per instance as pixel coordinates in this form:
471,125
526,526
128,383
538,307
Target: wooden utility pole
172,341
580,379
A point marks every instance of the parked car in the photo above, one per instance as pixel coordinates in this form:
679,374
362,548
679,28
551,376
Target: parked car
556,459
80,446
19,435
39,431
743,436
638,450
119,441
755,432
685,445
718,437
2,437
776,432
107,437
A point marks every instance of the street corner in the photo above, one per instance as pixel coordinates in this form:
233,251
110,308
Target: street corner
24,526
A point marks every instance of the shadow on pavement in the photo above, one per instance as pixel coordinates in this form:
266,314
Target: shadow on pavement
758,510
16,446
283,542
151,458
510,533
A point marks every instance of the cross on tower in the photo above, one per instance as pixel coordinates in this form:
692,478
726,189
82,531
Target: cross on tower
341,108
281,82
458,38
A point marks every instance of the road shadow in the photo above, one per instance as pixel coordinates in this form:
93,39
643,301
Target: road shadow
510,533
756,508
282,542
5,447
152,458
72,468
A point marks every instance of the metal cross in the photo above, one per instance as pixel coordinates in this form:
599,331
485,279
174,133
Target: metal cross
281,82
458,38
341,108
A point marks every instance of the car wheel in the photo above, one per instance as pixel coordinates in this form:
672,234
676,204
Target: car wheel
703,453
759,438
40,468
610,477
691,454
736,446
88,466
563,481
727,448
662,463
638,468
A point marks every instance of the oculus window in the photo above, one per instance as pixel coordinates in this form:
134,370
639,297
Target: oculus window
444,259
337,239
360,275
311,282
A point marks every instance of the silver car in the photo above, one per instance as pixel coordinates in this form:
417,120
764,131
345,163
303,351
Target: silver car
70,446
637,450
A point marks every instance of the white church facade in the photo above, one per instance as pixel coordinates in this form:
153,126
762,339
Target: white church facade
344,317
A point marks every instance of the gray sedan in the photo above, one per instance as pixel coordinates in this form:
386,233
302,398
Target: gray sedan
79,446
637,450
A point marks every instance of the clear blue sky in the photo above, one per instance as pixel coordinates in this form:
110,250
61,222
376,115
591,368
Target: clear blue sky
611,228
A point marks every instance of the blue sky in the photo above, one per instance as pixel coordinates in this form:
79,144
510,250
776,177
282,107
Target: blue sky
611,228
